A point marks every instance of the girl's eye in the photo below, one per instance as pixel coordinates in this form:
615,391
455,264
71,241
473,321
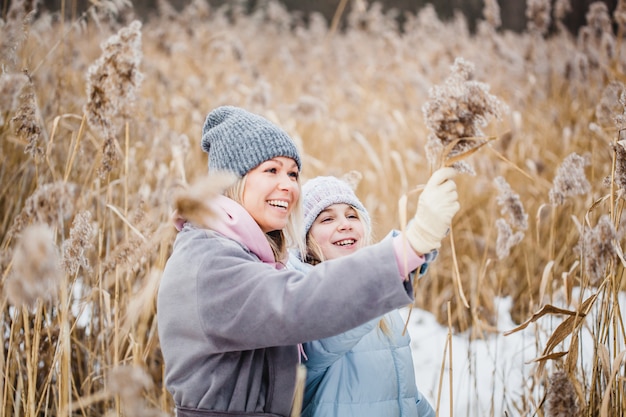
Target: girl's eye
351,214
326,220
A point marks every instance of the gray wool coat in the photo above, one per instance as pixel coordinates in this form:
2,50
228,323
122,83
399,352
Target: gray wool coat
229,325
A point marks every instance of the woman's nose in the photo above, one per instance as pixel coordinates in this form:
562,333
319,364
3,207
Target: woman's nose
287,183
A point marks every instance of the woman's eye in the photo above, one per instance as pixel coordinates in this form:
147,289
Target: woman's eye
271,170
294,175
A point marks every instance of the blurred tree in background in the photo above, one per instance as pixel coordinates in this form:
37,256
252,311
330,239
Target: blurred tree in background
512,12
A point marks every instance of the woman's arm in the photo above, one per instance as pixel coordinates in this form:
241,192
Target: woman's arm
245,304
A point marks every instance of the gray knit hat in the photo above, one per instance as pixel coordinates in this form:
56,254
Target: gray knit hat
238,141
320,192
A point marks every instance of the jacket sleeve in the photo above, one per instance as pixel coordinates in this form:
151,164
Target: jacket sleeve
244,304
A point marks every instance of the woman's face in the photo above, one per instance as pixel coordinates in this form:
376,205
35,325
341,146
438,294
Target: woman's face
338,231
271,192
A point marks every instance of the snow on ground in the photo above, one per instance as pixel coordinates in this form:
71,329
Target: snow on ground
489,375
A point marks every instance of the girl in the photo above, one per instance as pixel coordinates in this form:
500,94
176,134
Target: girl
230,316
367,371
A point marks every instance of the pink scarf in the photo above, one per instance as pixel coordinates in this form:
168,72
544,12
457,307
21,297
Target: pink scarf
237,224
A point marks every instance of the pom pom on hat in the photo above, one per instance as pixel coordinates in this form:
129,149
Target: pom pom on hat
320,192
238,141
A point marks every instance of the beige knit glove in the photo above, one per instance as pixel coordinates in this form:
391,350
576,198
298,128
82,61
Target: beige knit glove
436,206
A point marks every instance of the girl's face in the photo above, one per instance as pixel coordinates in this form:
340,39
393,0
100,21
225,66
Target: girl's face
338,231
271,192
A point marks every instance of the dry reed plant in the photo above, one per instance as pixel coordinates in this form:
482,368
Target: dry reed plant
76,248
597,249
128,382
100,122
455,114
570,180
36,268
538,14
194,203
15,31
112,84
51,204
561,398
491,13
10,87
26,123
511,206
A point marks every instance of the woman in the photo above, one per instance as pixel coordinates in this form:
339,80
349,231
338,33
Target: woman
230,316
366,371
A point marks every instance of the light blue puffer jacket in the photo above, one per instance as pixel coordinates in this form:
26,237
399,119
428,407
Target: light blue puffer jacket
363,372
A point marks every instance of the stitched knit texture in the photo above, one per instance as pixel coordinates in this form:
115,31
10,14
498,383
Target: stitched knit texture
321,192
238,141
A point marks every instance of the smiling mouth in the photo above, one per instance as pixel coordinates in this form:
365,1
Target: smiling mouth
345,242
278,203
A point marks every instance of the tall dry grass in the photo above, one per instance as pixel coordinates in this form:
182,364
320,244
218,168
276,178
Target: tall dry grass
100,120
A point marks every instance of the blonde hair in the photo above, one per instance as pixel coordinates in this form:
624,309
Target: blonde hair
314,256
280,240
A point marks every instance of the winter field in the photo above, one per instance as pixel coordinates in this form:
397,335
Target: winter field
487,376
100,121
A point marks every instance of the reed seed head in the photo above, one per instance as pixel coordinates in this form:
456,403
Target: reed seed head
598,19
561,9
491,12
619,15
50,203
129,382
538,14
561,396
19,17
506,239
36,272
620,119
570,179
610,108
26,122
10,88
458,109
620,167
130,253
511,205
597,249
112,83
194,204
80,241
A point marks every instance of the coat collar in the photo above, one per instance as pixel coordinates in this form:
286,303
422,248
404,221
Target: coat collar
236,223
